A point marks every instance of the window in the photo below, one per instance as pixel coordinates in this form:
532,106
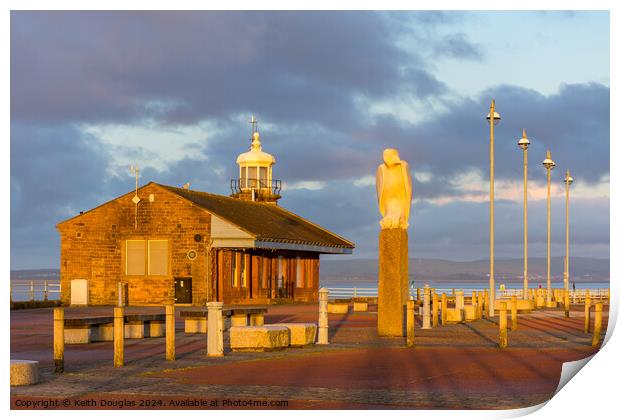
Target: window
146,257
135,257
243,271
266,271
299,273
280,273
263,176
233,269
158,257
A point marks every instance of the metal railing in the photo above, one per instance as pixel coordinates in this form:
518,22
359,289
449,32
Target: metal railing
238,185
35,290
577,296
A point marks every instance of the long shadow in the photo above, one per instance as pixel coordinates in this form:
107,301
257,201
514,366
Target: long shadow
334,330
480,334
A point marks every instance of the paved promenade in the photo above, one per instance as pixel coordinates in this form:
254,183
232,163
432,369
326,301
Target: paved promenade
457,366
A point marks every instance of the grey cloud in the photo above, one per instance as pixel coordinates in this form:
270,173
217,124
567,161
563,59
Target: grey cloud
458,46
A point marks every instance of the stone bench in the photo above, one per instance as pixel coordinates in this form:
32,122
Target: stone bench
470,312
522,305
240,316
454,316
24,372
360,306
337,307
301,334
254,338
101,328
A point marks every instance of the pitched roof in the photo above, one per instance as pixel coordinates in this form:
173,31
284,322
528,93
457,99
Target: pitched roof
267,222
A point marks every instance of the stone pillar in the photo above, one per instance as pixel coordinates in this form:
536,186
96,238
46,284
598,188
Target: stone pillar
598,323
513,312
119,337
393,281
410,322
503,326
435,310
566,305
586,323
170,332
444,308
215,329
426,314
323,321
59,340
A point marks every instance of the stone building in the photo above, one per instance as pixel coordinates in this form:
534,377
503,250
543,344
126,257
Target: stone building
161,242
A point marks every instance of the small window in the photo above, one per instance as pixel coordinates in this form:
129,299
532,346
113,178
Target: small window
135,257
252,172
263,176
299,273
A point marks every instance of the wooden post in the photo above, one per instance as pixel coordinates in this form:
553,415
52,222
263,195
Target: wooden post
410,322
435,321
418,296
59,340
323,320
453,294
170,332
513,312
45,290
426,313
474,301
598,322
31,290
444,308
486,304
215,329
566,305
119,337
480,305
586,322
503,326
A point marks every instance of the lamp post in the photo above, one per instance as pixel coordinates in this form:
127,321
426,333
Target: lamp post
568,180
524,143
493,118
549,165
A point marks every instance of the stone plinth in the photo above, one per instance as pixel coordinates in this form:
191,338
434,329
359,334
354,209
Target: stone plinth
302,334
265,338
24,372
196,325
393,282
470,312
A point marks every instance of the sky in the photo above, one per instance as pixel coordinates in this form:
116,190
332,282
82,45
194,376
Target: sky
94,92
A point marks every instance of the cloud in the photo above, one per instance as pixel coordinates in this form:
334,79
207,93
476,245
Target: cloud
458,46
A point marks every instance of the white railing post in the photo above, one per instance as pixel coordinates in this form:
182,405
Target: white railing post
45,291
31,290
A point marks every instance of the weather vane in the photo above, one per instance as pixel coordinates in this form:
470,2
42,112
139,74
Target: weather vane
254,123
136,172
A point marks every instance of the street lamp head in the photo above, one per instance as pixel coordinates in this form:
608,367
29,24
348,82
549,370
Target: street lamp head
496,116
548,163
569,179
524,143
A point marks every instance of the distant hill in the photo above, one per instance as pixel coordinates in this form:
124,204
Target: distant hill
581,269
356,270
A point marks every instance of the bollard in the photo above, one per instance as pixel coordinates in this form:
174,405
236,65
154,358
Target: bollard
598,322
323,321
59,340
503,326
453,294
444,308
119,337
418,296
513,312
170,327
410,321
474,301
426,314
566,305
479,306
435,310
586,322
45,291
215,329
